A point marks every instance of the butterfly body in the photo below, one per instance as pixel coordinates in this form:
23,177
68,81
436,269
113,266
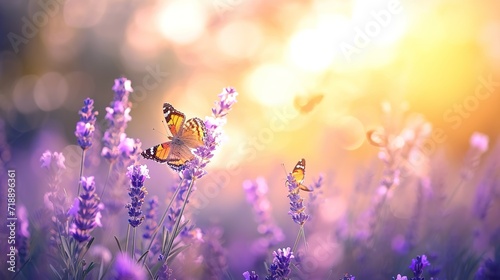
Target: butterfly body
298,174
186,135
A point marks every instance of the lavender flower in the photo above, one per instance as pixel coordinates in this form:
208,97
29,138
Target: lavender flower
348,277
256,195
165,272
86,211
150,222
53,163
399,277
280,268
214,254
297,207
22,234
137,175
126,268
417,266
314,196
478,146
86,126
117,115
213,138
250,275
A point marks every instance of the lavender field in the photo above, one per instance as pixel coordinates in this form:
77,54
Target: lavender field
242,139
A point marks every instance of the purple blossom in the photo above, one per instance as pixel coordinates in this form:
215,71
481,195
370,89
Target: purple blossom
86,211
250,275
213,138
280,268
215,254
348,277
52,161
126,268
22,234
86,126
417,266
256,195
150,222
137,174
117,115
314,196
297,207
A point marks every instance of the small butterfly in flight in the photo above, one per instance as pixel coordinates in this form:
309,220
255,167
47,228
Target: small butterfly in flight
186,135
298,174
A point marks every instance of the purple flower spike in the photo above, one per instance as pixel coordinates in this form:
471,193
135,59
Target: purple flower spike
86,211
280,268
86,126
297,207
137,175
117,115
126,268
213,137
250,275
417,266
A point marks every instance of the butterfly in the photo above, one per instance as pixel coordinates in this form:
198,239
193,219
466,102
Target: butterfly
186,135
298,174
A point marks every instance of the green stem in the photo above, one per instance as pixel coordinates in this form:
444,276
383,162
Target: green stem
128,235
81,172
300,234
160,224
107,178
133,243
178,221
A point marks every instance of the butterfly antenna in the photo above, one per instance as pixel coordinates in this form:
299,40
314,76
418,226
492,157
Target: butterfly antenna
163,134
284,169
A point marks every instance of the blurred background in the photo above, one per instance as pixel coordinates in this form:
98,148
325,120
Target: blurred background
311,75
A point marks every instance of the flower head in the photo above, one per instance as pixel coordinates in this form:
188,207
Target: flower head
86,211
256,194
417,266
126,268
297,208
117,115
86,126
280,268
250,275
137,174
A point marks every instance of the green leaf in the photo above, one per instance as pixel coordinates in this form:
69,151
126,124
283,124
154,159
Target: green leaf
118,243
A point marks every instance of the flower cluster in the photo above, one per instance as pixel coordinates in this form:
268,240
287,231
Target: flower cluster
417,266
86,211
86,126
150,222
137,191
250,275
297,208
117,115
280,268
126,268
213,138
256,195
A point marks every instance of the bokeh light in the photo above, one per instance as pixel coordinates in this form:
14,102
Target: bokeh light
315,79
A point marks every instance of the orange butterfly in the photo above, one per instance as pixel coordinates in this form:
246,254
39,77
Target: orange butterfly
186,135
298,174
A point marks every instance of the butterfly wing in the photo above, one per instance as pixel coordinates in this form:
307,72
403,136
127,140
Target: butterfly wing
299,173
194,132
173,118
158,153
185,136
